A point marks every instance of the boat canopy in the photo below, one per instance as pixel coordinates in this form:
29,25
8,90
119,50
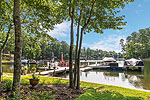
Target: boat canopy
109,59
133,61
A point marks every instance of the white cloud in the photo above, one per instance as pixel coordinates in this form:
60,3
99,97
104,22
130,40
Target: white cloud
60,30
110,43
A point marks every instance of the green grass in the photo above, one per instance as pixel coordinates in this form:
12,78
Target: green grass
92,94
4,61
10,74
92,90
127,93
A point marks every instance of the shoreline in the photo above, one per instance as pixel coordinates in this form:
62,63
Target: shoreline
91,89
81,81
100,84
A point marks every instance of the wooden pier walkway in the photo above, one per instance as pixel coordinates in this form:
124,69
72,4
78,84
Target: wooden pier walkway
49,72
61,70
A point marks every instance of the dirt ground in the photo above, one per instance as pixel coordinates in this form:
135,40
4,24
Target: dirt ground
61,91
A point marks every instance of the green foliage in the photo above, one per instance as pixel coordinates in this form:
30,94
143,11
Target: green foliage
33,69
35,76
7,85
137,45
33,73
37,18
34,49
92,94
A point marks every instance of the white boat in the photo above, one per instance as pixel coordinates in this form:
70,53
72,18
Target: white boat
134,64
110,61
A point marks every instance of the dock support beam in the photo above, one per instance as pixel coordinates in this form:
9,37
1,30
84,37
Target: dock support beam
96,63
88,63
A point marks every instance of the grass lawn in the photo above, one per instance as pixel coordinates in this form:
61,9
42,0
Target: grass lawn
92,91
4,61
9,74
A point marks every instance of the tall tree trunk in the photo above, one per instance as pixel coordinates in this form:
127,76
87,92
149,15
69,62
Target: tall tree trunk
76,52
76,56
1,49
78,60
18,48
71,14
80,45
71,56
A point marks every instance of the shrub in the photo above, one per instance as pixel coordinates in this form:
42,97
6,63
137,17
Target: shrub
7,85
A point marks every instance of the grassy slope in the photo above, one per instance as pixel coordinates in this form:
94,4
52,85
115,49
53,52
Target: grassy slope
92,90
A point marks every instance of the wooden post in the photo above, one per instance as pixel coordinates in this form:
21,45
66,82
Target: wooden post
96,63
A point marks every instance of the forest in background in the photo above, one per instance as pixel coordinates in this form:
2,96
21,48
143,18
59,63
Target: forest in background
36,48
137,45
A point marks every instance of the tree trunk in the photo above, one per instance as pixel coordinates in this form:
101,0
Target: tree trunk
78,62
80,45
71,56
18,48
76,52
0,66
76,56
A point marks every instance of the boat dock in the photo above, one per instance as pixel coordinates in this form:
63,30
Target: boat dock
60,70
54,71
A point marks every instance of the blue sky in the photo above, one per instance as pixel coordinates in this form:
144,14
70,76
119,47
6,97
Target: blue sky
137,17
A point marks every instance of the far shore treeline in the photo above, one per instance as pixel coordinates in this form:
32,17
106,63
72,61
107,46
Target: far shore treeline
41,49
137,45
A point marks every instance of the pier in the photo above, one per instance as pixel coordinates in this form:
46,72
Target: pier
54,71
97,65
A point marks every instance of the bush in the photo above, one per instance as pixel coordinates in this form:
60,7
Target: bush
7,85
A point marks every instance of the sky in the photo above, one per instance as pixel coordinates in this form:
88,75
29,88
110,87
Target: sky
137,16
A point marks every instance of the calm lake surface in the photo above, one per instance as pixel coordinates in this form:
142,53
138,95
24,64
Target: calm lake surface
8,68
133,80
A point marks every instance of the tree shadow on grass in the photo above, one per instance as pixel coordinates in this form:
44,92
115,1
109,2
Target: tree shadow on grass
92,94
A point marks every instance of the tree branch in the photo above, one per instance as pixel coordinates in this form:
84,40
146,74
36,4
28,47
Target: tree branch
4,44
89,19
70,10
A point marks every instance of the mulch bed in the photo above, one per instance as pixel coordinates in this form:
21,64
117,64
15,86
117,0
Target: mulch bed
62,91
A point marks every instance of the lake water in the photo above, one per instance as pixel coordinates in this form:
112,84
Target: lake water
133,80
8,68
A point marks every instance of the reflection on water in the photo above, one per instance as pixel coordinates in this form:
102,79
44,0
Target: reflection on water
8,68
133,80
